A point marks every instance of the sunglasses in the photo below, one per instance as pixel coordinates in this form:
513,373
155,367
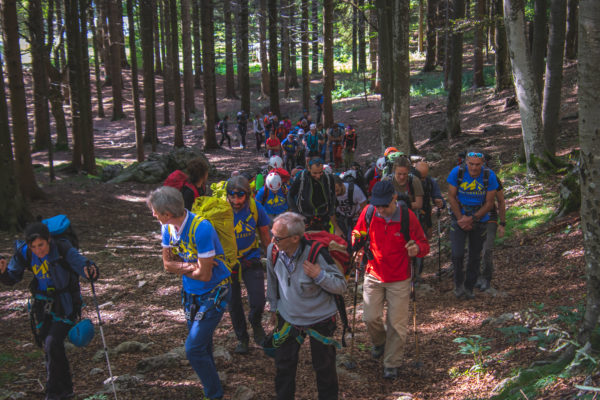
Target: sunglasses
233,193
279,239
473,154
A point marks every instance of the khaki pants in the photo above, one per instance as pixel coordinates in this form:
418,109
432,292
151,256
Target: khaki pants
393,334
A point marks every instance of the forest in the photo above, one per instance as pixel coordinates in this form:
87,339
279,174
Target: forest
100,100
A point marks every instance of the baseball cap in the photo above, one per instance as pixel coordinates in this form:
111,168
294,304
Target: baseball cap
382,193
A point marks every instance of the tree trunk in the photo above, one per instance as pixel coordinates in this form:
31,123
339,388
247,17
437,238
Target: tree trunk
455,75
446,51
540,41
229,71
208,57
285,46
115,60
177,112
400,57
164,39
430,51
305,56
12,207
328,77
95,46
315,36
572,25
103,31
124,63
188,72
373,42
354,39
243,62
196,36
385,11
503,69
589,121
85,94
264,61
441,34
421,27
60,58
167,63
148,31
12,57
362,44
525,84
554,72
293,40
273,67
135,91
41,121
478,79
56,102
157,45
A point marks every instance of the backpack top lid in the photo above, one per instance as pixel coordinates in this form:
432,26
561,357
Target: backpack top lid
58,224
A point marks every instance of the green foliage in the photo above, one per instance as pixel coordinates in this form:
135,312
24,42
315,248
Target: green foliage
475,346
7,359
514,332
528,216
432,83
97,397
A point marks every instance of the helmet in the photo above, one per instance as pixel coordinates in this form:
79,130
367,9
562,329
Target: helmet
389,151
239,114
380,163
350,174
394,156
327,168
273,182
82,333
275,162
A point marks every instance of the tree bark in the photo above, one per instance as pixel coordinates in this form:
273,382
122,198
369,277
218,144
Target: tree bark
441,34
525,84
273,65
503,69
315,36
362,44
327,62
56,102
385,14
589,121
157,45
421,27
135,91
147,30
96,45
554,72
540,41
373,42
124,63
305,56
478,79
264,61
354,39
208,57
572,27
188,73
197,51
430,50
229,71
285,46
243,59
115,29
12,57
400,59
177,112
103,31
455,75
85,94
167,63
293,40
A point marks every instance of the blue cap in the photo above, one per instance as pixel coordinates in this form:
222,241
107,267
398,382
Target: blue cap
382,193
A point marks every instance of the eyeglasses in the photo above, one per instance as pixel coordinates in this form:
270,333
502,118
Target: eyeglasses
473,154
233,193
279,239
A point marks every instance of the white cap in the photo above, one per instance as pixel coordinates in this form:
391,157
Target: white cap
313,126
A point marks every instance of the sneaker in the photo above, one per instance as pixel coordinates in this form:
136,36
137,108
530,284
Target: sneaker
390,373
469,294
377,351
242,347
459,291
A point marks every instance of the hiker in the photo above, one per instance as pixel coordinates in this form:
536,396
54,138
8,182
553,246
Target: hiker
197,170
319,105
471,193
350,202
322,142
350,141
242,125
311,142
273,195
250,222
290,151
56,297
281,131
273,145
300,296
406,186
393,235
259,131
374,174
222,127
191,248
312,194
300,156
431,196
336,137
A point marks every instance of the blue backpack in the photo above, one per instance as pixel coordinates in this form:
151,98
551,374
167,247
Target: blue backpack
60,228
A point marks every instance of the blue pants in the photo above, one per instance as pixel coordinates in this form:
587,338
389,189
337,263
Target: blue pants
199,343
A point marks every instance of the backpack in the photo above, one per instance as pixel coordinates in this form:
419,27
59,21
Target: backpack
319,100
316,247
60,228
179,179
301,200
461,174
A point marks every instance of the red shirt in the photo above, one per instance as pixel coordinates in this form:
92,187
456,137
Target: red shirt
273,142
390,261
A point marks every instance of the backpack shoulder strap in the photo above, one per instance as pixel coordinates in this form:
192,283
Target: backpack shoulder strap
254,210
193,188
351,193
461,174
404,221
315,248
411,188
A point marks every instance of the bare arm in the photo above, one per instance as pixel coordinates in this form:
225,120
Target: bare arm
453,201
175,264
418,203
265,237
490,197
203,269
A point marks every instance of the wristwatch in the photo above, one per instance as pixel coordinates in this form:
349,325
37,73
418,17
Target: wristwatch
475,218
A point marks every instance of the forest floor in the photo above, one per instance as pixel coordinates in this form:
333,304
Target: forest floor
538,272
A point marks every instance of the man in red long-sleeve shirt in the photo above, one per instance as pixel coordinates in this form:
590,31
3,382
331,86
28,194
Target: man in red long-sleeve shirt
388,273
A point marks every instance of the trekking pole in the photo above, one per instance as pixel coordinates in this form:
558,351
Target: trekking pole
351,364
439,212
112,380
413,296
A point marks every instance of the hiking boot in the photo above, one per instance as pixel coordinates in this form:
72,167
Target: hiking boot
479,282
242,347
377,351
258,333
469,294
390,373
459,291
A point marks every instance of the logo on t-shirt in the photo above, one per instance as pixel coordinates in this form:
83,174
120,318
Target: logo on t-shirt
473,187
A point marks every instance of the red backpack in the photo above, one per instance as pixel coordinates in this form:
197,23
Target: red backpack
178,179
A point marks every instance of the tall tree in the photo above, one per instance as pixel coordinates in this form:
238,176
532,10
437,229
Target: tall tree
208,57
273,65
589,121
554,72
293,41
285,46
12,57
421,26
95,47
104,39
177,112
305,57
455,74
540,40
158,47
196,36
400,58
229,70
147,31
315,36
85,95
168,62
478,79
41,113
188,73
243,62
12,207
362,44
262,38
373,43
327,62
135,90
572,25
430,49
503,71
354,39
116,30
385,13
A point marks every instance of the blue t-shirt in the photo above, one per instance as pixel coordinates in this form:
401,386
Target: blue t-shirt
312,142
196,239
289,146
275,203
471,191
41,269
245,226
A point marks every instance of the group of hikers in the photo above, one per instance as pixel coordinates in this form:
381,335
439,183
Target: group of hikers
381,219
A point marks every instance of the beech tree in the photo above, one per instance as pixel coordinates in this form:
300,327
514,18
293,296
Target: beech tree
147,36
304,56
273,65
210,84
188,72
327,62
455,74
139,139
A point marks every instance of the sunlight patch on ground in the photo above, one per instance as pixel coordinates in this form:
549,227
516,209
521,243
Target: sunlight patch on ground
131,199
